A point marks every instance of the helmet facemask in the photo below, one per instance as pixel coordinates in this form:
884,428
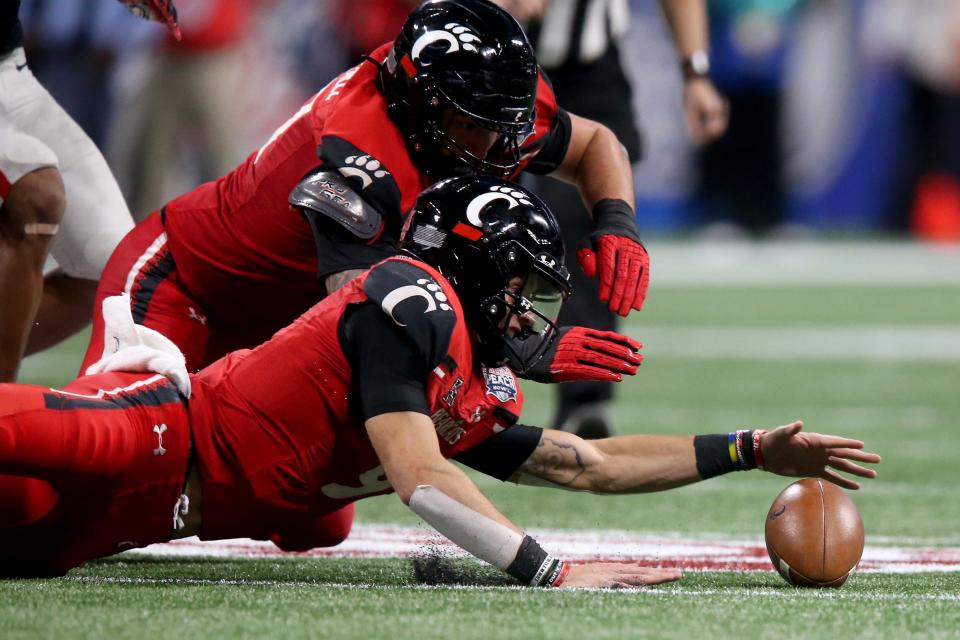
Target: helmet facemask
442,155
533,290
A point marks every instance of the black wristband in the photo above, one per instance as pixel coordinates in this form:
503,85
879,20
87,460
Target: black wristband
717,454
615,217
532,564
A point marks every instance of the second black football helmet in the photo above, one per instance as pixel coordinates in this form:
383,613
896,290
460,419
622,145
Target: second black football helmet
466,57
501,249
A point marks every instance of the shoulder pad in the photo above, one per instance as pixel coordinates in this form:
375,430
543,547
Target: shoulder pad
416,302
328,193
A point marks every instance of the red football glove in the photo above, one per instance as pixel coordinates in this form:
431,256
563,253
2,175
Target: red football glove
615,253
580,353
158,10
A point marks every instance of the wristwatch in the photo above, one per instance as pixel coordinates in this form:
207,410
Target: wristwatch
696,65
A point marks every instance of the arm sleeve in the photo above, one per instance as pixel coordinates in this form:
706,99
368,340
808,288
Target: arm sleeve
339,250
388,368
502,454
554,146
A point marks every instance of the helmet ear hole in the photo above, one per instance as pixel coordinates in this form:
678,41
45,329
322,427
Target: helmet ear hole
495,309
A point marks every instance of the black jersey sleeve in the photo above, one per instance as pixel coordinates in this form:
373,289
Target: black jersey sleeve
502,454
552,148
339,250
396,339
388,369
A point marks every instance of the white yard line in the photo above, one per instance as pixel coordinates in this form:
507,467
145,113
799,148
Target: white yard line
824,343
380,541
740,592
803,263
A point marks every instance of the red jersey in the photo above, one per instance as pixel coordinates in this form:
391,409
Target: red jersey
278,434
248,258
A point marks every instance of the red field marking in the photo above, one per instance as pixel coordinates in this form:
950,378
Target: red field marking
612,546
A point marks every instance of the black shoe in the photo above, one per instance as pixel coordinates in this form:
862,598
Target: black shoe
589,422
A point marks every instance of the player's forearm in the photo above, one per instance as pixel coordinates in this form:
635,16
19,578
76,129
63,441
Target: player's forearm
604,171
642,464
596,163
457,485
687,20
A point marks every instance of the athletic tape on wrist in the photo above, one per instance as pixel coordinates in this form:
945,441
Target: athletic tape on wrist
531,562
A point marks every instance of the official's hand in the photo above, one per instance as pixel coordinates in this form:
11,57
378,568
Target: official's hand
614,254
617,575
706,111
158,10
789,451
587,354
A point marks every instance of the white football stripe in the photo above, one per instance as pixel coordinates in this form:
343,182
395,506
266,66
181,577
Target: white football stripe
383,541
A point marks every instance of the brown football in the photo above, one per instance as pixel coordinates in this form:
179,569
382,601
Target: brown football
814,534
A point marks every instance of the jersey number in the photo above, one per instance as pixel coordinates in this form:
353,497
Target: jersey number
371,482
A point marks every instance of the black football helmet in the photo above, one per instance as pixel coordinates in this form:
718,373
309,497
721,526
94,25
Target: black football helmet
483,233
467,57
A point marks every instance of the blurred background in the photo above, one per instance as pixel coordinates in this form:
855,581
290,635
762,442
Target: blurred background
845,114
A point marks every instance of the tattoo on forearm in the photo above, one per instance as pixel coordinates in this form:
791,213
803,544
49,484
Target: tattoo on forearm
555,461
337,280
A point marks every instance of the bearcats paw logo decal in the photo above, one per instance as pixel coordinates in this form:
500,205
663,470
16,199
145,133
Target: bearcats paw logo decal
455,36
511,195
363,167
426,289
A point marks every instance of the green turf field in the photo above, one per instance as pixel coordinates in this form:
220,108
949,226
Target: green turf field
878,360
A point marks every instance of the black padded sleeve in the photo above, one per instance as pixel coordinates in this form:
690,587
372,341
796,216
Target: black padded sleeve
388,369
553,147
339,250
501,455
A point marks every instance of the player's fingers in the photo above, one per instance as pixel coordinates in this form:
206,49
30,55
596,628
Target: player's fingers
606,268
613,349
602,361
586,372
653,576
839,441
841,464
641,294
839,480
620,280
854,454
630,285
788,430
612,337
588,262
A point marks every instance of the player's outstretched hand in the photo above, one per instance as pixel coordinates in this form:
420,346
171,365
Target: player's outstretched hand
790,451
159,10
617,575
587,354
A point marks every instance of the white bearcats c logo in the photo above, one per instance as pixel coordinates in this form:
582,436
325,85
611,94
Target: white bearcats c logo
398,295
513,196
456,37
